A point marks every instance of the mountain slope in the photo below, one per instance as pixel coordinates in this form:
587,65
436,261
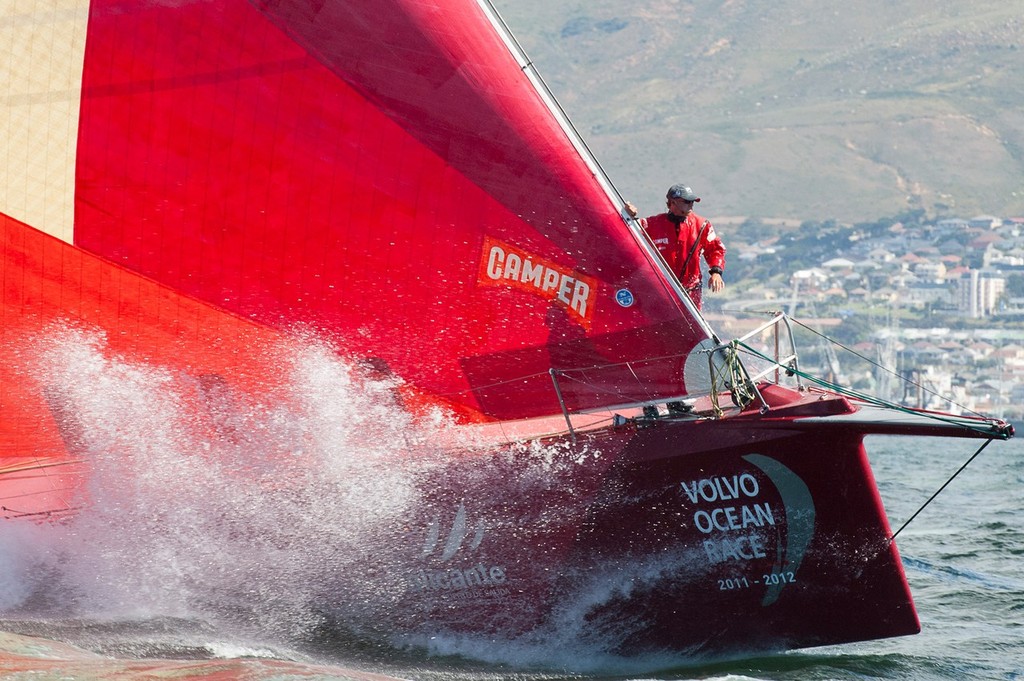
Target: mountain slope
793,109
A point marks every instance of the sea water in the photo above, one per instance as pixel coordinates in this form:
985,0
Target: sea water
177,570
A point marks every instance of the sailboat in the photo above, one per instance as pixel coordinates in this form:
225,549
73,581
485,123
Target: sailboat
193,184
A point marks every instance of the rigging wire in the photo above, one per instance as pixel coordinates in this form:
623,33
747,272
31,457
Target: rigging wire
986,425
885,368
939,491
526,64
567,373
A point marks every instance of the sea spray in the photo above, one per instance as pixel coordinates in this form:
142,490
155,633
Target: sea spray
306,504
205,501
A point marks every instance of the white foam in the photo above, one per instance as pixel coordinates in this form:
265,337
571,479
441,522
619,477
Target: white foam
241,506
264,513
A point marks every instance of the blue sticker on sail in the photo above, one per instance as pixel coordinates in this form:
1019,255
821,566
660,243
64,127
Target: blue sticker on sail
624,297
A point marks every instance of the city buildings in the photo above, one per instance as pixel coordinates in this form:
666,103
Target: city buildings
938,306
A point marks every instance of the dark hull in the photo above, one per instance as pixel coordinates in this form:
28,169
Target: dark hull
689,537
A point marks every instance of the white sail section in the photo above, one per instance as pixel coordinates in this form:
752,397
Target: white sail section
42,46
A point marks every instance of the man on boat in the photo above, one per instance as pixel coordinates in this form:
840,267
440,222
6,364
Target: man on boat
683,237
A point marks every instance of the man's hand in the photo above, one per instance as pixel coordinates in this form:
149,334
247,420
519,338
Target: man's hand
715,282
631,209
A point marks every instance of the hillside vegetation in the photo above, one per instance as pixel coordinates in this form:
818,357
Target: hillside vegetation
788,108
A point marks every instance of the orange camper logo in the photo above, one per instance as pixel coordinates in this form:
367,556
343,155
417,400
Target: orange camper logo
505,265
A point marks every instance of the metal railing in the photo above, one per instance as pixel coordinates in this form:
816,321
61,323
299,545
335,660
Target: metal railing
788,362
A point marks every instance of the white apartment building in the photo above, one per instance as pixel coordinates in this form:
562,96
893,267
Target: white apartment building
979,291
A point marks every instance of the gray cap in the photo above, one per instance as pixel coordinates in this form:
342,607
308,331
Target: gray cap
681,191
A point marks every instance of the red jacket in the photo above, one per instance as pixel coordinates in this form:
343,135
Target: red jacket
675,243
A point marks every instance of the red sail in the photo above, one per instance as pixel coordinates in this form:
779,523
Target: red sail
382,171
51,289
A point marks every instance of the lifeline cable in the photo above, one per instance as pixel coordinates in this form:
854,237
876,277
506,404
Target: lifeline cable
883,367
939,491
986,426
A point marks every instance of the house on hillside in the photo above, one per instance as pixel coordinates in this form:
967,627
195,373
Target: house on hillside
835,294
985,222
955,353
1012,226
950,225
930,270
956,273
838,264
885,294
1011,356
992,394
980,350
881,255
813,279
859,294
924,294
1011,258
985,240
